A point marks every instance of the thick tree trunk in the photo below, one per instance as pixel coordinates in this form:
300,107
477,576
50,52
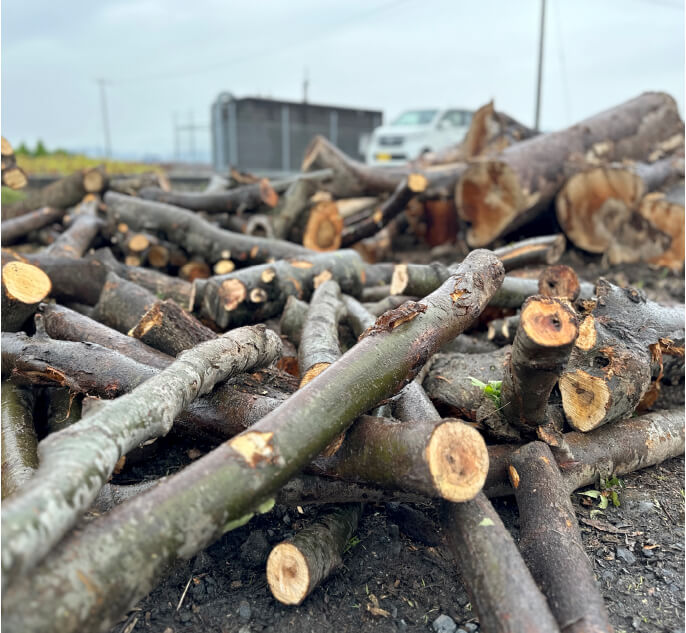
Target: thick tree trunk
666,212
66,325
236,200
593,223
443,459
16,228
122,303
500,586
161,285
35,520
319,346
19,443
257,293
551,544
167,328
195,235
297,566
609,370
228,485
63,193
23,287
544,340
500,194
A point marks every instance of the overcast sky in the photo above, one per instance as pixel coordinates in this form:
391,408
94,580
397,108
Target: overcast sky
163,57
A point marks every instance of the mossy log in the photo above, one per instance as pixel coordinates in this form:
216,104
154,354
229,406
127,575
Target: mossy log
500,586
24,286
35,520
168,328
195,235
257,293
544,340
235,480
236,200
499,194
297,566
319,345
619,342
14,230
551,544
62,193
19,443
64,324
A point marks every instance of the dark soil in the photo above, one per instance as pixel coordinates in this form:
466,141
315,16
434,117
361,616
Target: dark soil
397,562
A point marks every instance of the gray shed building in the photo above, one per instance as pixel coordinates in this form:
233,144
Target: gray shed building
265,135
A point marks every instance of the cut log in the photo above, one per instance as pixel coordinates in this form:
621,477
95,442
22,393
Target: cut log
33,521
500,194
194,269
544,340
19,443
76,239
15,229
131,185
502,331
666,212
319,346
64,409
559,281
609,370
545,509
236,200
585,213
324,228
292,206
532,252
231,300
23,287
293,318
122,303
63,193
195,235
64,324
297,566
167,328
236,479
407,189
442,459
12,176
490,132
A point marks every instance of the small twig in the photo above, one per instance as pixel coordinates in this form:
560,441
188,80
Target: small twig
183,595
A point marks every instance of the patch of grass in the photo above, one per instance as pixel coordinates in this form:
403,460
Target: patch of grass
63,164
10,195
609,491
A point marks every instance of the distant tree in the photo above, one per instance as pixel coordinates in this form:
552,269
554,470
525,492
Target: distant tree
22,150
40,149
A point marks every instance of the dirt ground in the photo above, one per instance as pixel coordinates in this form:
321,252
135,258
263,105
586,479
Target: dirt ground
397,561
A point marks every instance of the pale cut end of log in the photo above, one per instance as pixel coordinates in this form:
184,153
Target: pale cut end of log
132,260
138,243
267,193
25,283
399,279
324,228
587,334
559,281
14,178
158,256
224,267
232,293
488,196
194,270
458,460
669,218
288,574
548,323
312,373
93,180
6,147
152,318
585,399
583,196
417,183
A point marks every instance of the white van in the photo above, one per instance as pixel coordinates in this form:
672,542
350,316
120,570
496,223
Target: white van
415,132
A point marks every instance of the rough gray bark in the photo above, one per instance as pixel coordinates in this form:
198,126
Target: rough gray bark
13,230
35,520
551,544
293,318
19,443
76,240
223,489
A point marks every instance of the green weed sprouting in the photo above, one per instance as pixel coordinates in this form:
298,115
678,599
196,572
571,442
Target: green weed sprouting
491,390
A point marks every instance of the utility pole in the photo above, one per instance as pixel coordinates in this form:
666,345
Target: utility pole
105,119
540,67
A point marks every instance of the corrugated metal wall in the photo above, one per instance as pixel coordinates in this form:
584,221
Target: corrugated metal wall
266,135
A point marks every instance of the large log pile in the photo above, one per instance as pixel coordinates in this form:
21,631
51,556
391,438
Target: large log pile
279,323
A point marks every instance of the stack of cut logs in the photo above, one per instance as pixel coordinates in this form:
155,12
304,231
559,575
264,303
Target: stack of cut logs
266,319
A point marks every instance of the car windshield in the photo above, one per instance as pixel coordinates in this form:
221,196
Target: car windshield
415,117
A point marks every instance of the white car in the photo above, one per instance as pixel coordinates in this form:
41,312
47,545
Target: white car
415,132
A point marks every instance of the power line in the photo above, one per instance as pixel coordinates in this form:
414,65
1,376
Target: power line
323,32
